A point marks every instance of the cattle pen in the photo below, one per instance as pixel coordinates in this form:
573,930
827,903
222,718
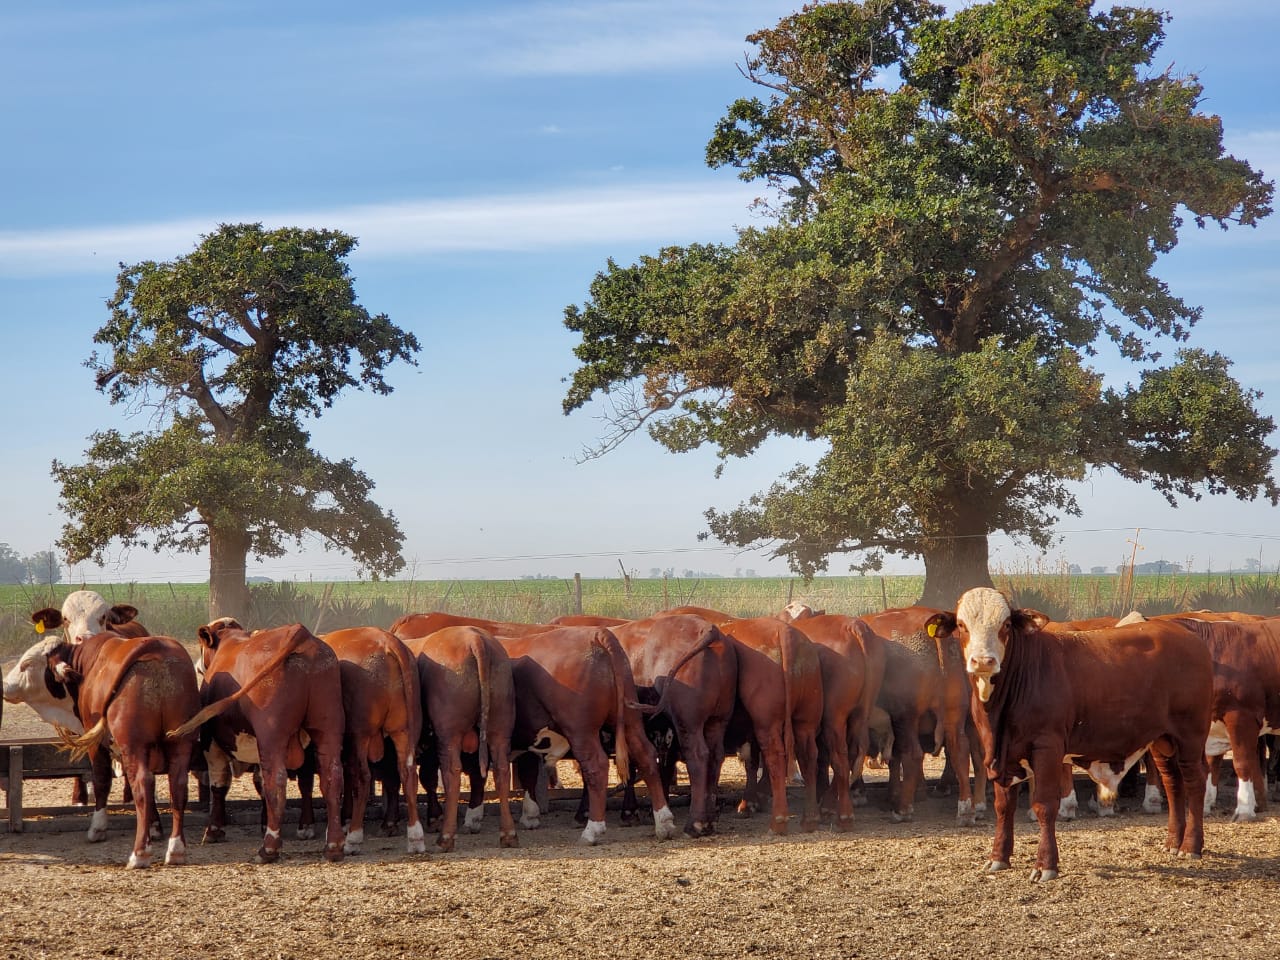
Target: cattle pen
911,890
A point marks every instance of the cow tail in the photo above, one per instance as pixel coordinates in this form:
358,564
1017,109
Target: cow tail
83,744
480,650
621,670
219,707
701,646
87,742
410,686
788,699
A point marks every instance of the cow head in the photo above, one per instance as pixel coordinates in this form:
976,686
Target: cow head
984,625
40,678
795,610
210,636
84,613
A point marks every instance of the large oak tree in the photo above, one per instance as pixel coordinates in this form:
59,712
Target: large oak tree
229,349
964,209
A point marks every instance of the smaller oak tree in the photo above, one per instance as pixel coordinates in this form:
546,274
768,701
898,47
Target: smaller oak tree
231,347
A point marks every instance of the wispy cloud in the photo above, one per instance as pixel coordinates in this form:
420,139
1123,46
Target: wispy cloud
658,213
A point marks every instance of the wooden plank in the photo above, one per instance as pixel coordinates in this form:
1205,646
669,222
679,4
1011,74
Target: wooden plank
15,789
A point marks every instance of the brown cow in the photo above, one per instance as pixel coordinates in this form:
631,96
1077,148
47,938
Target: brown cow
424,624
84,613
586,620
1246,702
573,684
1099,699
706,613
465,676
266,693
925,693
852,658
129,692
381,701
694,669
779,713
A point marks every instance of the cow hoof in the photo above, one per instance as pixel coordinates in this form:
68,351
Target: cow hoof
1152,809
138,861
390,829
446,844
266,856
695,830
967,819
996,866
745,810
508,840
473,818
214,835
896,817
778,826
96,836
1244,816
307,832
593,833
416,839
858,799
529,814
333,852
808,824
844,824
1039,875
176,854
664,823
1188,855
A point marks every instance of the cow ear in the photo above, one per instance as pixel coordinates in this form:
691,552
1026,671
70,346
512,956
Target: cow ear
47,619
208,638
121,613
1028,619
62,670
940,624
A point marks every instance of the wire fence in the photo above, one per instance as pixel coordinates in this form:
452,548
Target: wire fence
179,609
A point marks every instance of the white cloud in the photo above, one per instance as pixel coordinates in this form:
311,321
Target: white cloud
661,213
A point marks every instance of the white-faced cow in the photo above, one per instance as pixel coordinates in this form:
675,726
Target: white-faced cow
1099,700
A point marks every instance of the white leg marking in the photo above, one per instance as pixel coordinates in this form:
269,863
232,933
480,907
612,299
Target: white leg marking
966,814
176,854
1151,802
352,844
1069,806
1210,795
471,821
138,861
306,833
529,814
1218,742
664,823
1246,802
98,826
416,838
273,834
595,830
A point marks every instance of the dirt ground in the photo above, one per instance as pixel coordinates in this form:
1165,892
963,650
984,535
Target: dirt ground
882,890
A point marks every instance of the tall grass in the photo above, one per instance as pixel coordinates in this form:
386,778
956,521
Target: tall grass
179,609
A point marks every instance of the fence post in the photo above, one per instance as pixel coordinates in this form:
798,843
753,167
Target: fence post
577,594
666,602
884,596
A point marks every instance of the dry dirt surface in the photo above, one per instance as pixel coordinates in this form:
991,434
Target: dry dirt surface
882,890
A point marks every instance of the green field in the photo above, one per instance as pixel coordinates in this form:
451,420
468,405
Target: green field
177,609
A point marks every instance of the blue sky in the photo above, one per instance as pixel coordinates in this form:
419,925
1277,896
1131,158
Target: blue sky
490,157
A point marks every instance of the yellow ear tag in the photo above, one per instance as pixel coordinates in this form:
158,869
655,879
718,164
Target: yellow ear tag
39,626
932,630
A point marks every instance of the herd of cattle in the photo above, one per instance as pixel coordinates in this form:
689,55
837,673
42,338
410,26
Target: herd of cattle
1006,692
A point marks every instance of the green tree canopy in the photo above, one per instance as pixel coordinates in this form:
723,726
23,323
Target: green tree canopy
230,348
965,208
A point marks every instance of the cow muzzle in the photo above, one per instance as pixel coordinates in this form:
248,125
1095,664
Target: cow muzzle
983,670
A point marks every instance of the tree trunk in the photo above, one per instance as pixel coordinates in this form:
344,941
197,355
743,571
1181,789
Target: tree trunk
228,592
952,566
